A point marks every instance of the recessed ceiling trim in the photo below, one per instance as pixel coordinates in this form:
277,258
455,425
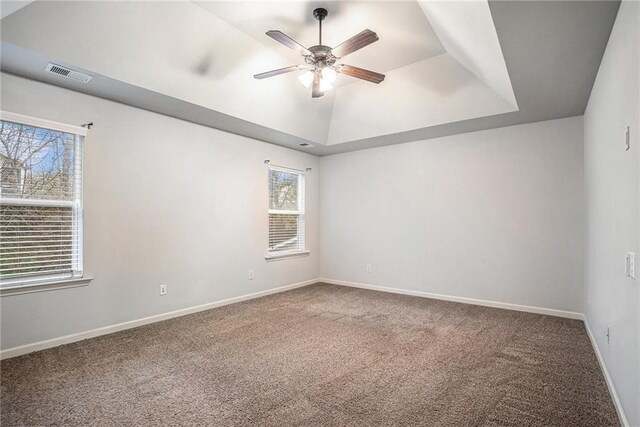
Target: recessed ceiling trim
468,33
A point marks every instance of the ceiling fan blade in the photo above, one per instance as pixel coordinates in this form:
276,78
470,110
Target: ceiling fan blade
360,73
356,42
276,72
281,37
315,89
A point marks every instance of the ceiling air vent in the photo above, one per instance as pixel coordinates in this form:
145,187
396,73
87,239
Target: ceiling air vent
70,74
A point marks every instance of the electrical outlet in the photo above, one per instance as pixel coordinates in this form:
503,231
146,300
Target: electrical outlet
626,265
627,141
251,276
163,289
630,264
369,268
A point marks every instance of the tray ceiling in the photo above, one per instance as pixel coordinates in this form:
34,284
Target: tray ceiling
444,62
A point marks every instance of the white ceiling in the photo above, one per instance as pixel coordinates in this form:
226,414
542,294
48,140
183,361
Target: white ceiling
405,33
467,32
426,85
443,60
442,91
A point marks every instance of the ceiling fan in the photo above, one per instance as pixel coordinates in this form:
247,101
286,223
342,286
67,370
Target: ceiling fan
320,69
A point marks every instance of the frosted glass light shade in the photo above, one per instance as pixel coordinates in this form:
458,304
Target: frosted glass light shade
306,78
325,85
329,74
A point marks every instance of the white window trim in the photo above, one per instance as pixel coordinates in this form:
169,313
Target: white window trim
286,255
277,256
17,286
46,284
42,123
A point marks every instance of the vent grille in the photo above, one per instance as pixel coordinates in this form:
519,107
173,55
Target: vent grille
70,74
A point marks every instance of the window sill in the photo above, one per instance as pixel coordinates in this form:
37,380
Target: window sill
280,257
45,285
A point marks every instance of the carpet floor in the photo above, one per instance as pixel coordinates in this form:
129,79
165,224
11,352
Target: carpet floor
319,355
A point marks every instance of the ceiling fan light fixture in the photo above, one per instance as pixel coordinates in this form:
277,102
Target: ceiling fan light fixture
329,74
325,85
306,78
320,60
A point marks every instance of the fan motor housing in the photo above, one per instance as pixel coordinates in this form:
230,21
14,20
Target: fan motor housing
321,55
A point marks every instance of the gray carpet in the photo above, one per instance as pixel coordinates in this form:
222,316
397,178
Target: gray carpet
319,355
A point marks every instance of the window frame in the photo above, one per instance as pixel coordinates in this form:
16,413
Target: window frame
300,213
25,284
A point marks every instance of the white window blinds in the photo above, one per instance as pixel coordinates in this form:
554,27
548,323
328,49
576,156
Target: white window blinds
286,211
40,202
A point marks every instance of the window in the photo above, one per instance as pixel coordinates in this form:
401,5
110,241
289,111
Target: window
286,212
40,200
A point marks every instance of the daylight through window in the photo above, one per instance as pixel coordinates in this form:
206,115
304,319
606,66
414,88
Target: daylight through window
40,203
286,211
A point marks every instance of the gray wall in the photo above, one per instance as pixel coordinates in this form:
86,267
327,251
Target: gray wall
612,195
166,202
494,215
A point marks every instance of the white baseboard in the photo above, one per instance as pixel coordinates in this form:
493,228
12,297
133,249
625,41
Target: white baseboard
607,377
485,303
41,345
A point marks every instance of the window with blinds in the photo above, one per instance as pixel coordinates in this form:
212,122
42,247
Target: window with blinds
40,203
286,211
